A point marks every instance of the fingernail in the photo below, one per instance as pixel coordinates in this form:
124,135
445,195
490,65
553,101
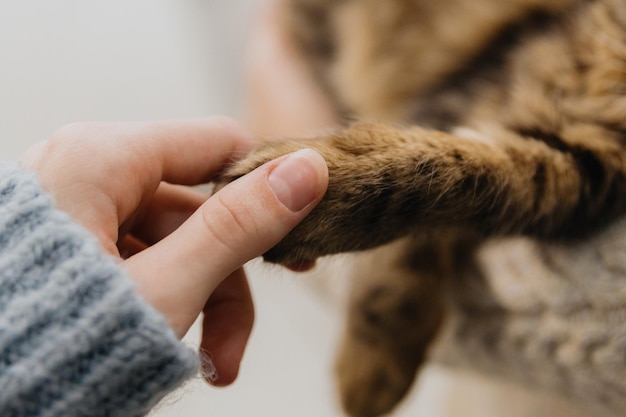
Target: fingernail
299,179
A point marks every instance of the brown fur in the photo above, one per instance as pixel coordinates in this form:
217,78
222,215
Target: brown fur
538,89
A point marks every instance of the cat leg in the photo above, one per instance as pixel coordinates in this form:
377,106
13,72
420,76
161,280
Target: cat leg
394,313
387,182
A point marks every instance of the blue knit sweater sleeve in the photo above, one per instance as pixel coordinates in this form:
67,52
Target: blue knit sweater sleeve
75,340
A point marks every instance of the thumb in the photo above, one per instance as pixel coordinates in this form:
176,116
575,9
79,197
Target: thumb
240,222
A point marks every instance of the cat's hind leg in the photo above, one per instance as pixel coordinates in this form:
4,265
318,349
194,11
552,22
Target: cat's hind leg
394,313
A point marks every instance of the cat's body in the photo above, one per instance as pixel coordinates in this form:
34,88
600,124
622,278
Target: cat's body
492,118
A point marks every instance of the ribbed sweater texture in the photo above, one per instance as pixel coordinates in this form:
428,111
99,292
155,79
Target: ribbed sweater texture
75,338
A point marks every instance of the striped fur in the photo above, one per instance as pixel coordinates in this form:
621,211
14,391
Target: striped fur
478,119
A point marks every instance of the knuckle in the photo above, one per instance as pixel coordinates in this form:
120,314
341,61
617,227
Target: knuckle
75,130
230,225
232,128
225,122
73,136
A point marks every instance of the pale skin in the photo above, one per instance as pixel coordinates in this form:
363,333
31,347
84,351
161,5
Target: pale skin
128,184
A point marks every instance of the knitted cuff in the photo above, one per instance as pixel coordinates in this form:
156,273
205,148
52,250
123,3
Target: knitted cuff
75,340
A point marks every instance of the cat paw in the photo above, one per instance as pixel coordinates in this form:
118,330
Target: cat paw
393,320
371,379
305,243
353,214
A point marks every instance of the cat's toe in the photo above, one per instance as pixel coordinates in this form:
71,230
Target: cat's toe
301,266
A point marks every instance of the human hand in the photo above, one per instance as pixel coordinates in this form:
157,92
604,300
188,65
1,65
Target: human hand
184,252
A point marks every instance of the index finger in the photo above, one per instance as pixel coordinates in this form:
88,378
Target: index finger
188,152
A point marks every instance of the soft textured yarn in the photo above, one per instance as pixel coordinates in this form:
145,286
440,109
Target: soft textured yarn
75,339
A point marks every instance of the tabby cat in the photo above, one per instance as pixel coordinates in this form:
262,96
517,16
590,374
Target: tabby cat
477,119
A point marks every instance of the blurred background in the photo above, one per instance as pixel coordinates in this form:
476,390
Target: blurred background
72,60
